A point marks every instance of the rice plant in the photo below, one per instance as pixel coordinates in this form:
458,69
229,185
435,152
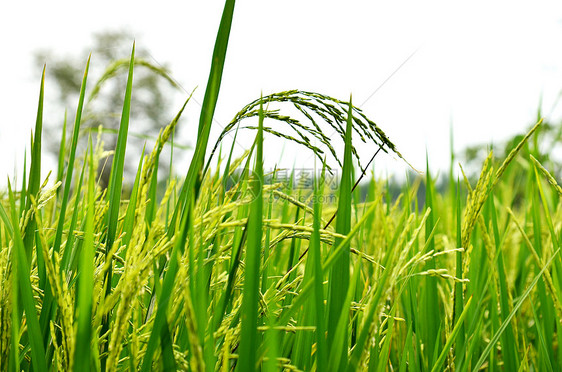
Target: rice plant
237,268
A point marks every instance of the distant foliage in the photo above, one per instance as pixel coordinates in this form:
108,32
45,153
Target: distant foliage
153,87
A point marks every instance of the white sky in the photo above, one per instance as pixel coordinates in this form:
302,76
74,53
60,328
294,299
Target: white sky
482,66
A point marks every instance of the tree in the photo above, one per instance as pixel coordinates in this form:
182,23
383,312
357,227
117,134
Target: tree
107,80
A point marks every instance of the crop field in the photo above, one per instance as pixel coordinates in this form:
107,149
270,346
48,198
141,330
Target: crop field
224,265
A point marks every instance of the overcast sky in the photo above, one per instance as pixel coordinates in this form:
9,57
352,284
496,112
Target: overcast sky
482,67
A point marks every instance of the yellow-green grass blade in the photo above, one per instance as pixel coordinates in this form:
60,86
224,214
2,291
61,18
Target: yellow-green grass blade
167,347
487,245
369,316
128,228
339,275
293,258
338,347
547,305
165,136
458,297
82,356
129,221
242,186
542,248
329,261
508,319
70,251
266,249
316,257
452,337
545,204
116,177
429,302
546,208
23,191
34,172
72,155
152,205
25,292
62,153
115,187
160,331
474,340
160,321
271,343
32,190
14,357
210,235
48,303
384,354
302,357
190,187
302,341
200,296
171,178
227,168
6,219
409,355
225,298
509,346
249,339
28,237
194,173
543,350
552,181
553,291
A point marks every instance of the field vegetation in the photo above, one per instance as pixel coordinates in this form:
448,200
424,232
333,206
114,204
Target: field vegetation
232,267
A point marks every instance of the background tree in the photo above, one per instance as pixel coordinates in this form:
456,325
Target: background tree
107,79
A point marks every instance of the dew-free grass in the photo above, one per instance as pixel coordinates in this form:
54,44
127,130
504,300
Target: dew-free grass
228,271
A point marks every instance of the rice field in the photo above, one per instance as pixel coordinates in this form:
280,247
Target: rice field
235,267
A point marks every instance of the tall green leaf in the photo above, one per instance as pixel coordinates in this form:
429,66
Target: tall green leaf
316,257
194,173
454,334
508,319
62,152
34,173
25,292
458,297
71,158
82,352
339,275
250,301
189,191
115,186
48,302
429,302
